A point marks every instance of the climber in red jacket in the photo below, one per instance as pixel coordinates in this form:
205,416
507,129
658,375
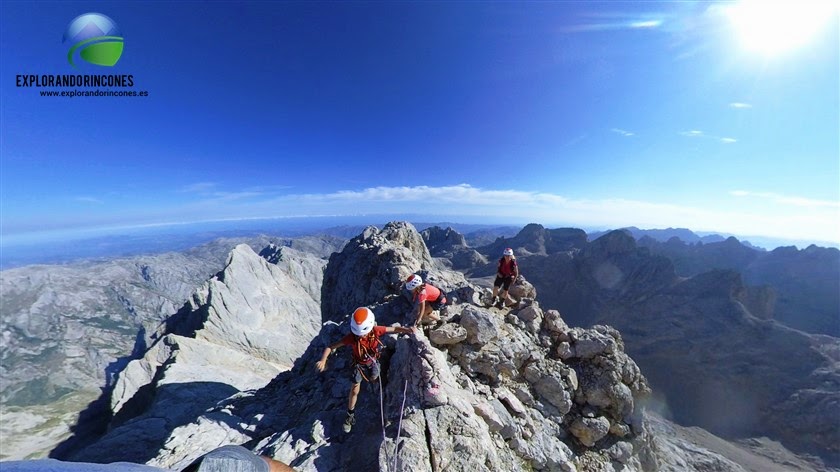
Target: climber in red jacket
367,346
426,298
506,274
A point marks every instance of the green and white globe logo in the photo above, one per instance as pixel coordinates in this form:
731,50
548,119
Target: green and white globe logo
96,38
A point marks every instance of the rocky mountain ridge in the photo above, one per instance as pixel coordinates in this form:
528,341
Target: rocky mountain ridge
711,326
805,281
487,390
236,332
683,234
68,329
479,364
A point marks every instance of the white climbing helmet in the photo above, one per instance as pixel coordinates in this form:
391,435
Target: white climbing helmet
362,321
507,252
413,281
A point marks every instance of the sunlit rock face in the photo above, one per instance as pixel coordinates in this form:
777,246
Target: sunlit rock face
487,389
708,342
519,388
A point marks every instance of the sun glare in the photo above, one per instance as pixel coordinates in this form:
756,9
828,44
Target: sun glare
774,27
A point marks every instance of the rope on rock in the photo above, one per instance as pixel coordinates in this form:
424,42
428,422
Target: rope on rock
399,427
382,408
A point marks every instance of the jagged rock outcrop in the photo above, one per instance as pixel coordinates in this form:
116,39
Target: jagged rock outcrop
485,236
255,306
438,239
66,330
63,325
720,365
489,389
453,246
801,283
806,284
246,324
696,258
377,266
508,389
536,239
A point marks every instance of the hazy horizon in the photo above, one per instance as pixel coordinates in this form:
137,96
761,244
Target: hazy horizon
714,116
57,247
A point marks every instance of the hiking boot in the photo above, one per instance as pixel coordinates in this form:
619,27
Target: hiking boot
500,304
349,422
492,302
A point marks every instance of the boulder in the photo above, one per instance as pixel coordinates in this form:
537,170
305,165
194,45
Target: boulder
449,333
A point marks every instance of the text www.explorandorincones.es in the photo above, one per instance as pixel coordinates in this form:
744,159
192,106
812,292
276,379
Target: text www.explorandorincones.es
94,93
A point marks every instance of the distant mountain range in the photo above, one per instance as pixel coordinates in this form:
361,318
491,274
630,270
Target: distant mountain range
59,247
709,323
691,237
683,234
708,315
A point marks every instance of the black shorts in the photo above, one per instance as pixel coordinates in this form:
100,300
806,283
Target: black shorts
503,282
371,372
437,304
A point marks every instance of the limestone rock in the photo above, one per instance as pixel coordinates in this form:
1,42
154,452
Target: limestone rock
522,289
481,326
500,399
693,333
590,430
246,324
555,323
450,333
450,244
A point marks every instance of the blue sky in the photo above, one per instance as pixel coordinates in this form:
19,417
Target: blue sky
712,116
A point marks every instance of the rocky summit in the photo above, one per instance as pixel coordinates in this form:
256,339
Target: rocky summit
484,389
720,352
236,332
68,330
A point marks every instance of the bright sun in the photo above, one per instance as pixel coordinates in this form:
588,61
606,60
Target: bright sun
774,27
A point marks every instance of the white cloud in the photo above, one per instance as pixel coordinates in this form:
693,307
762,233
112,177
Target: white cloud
463,194
611,21
787,200
787,221
700,134
740,105
623,132
747,213
646,24
91,200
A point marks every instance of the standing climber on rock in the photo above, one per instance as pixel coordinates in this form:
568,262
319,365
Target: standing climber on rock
506,274
366,345
426,298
